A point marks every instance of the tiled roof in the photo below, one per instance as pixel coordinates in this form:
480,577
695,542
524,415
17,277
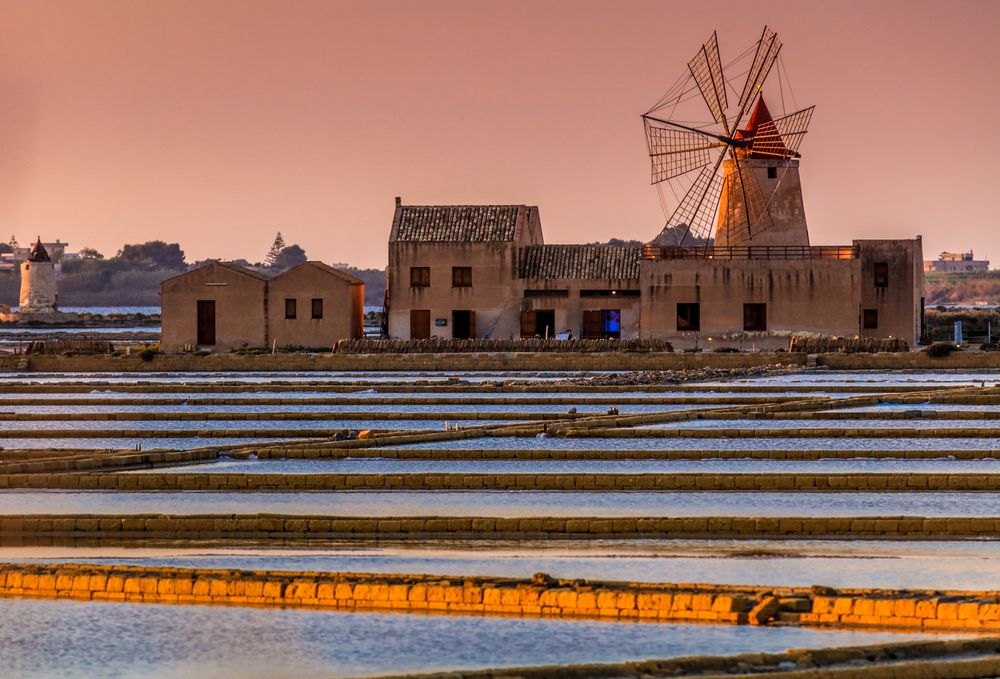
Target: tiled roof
580,261
325,268
244,270
457,223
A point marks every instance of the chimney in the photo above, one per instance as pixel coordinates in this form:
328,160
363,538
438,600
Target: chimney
399,201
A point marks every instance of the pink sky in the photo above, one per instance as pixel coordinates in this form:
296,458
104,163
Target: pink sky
217,123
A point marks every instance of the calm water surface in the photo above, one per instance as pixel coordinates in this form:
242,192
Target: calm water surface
40,638
505,503
729,466
973,565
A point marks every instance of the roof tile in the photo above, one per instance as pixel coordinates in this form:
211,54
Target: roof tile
457,223
581,261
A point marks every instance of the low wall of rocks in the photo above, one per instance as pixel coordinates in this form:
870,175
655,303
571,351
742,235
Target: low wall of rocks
42,464
539,596
268,527
567,482
616,361
540,361
965,658
788,432
624,454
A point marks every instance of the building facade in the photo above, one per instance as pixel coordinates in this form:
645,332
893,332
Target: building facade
223,306
490,262
957,262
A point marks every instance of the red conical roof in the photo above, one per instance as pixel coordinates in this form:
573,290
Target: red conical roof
760,117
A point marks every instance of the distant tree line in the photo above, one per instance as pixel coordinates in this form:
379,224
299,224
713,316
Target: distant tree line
132,276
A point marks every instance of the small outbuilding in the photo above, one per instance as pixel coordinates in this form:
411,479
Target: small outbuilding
314,305
223,306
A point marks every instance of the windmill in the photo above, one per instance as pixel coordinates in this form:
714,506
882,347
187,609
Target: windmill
738,173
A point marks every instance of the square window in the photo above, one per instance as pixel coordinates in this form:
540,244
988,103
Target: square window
317,308
688,316
755,317
772,172
290,308
881,274
420,276
461,276
869,319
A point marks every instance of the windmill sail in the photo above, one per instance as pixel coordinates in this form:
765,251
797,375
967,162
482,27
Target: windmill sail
744,213
767,52
695,215
676,152
781,138
706,69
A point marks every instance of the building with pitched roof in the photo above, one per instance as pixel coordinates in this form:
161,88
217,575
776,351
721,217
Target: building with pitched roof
484,271
465,271
453,269
588,291
224,306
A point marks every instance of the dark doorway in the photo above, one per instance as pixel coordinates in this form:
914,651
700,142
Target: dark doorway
754,317
545,323
206,322
420,324
463,324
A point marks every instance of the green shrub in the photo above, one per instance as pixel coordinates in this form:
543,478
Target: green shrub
990,346
148,354
726,350
941,349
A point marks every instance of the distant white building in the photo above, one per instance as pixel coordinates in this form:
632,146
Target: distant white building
956,262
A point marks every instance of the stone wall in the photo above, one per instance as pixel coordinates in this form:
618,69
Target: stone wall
436,481
272,527
540,596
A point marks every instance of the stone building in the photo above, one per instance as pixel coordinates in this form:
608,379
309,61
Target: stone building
38,283
453,269
957,262
484,271
223,306
588,291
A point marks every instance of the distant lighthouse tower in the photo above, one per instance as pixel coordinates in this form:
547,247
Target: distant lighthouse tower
38,282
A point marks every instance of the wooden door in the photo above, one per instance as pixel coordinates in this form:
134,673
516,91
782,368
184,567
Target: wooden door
420,323
592,324
528,326
472,325
206,322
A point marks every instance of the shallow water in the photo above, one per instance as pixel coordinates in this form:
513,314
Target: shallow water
72,639
456,407
684,443
918,565
42,426
728,466
505,503
924,423
117,443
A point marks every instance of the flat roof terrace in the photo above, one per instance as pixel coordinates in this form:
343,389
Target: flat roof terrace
657,252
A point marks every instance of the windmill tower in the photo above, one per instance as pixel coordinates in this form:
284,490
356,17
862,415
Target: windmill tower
38,282
738,173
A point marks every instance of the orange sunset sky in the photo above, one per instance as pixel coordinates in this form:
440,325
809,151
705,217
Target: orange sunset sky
215,123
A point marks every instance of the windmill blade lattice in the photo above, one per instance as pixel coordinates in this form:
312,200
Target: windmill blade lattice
694,218
706,69
745,213
676,152
781,138
767,53
724,195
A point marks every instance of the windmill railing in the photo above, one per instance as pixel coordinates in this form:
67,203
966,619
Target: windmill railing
651,251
